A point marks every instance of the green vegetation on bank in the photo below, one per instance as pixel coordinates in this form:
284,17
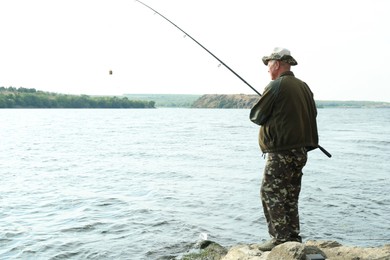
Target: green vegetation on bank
167,100
31,98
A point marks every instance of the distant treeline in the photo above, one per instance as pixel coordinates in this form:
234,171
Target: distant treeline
351,104
167,100
31,98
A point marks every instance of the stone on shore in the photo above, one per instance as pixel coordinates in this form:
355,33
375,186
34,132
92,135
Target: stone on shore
330,250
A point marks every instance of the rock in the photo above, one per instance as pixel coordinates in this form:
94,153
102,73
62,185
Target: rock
330,250
335,251
323,244
245,252
209,250
288,251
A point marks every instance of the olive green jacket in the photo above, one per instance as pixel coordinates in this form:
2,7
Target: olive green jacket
287,114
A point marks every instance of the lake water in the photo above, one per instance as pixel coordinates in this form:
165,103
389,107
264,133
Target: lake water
145,184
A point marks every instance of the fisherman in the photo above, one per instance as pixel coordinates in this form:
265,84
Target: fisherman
287,115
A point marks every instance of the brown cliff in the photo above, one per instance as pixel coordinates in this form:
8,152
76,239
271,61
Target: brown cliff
226,101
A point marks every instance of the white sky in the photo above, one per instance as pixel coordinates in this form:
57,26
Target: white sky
69,46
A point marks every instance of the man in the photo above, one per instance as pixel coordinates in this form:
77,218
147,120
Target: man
287,115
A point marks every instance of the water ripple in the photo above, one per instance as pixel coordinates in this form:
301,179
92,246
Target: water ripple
103,184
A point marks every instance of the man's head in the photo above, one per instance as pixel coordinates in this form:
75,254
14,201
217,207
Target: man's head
278,62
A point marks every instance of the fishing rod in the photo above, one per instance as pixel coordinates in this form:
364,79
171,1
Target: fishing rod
223,63
212,54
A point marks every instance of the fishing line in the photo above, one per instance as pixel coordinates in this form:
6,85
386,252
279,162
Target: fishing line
186,34
221,62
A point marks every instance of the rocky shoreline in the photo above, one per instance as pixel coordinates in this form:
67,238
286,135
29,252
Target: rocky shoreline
310,250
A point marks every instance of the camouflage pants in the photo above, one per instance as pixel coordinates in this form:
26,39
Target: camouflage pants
280,190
